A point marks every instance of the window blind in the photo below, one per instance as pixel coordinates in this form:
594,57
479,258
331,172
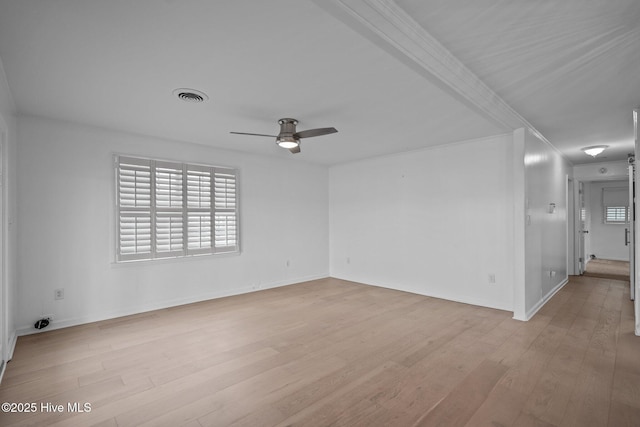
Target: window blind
615,214
615,202
134,213
615,196
199,209
225,197
169,221
169,209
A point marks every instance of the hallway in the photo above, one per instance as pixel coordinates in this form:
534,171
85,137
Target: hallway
608,269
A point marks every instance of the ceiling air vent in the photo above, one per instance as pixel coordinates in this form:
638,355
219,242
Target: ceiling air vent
190,95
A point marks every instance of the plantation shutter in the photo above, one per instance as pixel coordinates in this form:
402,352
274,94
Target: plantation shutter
169,216
225,208
615,214
134,208
169,209
199,209
615,201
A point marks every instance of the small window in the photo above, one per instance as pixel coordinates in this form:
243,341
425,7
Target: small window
615,202
169,209
615,214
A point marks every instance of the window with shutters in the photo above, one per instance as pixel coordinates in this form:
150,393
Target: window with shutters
615,214
615,202
168,209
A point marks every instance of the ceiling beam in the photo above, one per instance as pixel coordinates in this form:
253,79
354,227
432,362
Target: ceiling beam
389,23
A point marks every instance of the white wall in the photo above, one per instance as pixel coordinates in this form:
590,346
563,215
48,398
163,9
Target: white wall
546,175
601,171
606,240
67,227
435,222
8,126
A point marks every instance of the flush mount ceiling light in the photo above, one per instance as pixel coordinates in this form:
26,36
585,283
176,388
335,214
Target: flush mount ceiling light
595,150
287,142
190,95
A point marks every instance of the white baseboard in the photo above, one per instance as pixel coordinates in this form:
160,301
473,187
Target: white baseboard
429,293
544,300
65,323
11,347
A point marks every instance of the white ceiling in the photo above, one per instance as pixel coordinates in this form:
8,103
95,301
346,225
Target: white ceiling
390,76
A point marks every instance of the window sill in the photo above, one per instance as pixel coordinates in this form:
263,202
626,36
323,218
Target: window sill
172,260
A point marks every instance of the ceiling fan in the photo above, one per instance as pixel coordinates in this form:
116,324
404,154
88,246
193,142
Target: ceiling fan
288,137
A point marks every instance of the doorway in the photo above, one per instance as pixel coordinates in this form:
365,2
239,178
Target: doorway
603,233
608,269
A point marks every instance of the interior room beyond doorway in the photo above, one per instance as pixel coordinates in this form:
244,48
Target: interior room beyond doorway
608,269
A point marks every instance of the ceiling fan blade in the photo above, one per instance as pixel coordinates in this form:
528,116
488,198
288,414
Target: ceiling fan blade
295,149
254,134
314,132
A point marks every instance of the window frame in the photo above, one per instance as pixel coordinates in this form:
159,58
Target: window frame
162,204
605,216
615,198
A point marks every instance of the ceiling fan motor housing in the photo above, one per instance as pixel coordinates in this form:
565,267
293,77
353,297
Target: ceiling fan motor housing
287,127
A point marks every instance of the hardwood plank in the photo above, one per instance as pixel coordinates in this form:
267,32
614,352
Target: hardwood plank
528,420
524,375
232,403
501,408
622,415
348,404
428,382
459,406
111,422
626,388
520,341
344,378
549,399
332,352
627,350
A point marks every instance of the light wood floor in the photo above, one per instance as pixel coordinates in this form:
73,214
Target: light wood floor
331,352
608,269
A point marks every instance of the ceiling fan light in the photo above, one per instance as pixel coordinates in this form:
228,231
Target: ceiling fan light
287,142
595,150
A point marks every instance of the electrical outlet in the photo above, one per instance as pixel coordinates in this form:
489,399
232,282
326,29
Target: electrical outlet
58,294
288,263
492,278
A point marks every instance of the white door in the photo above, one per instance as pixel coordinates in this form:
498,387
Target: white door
634,282
4,336
582,216
630,233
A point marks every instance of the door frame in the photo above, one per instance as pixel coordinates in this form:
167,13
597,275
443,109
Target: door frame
576,225
579,184
4,235
631,229
636,260
581,258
